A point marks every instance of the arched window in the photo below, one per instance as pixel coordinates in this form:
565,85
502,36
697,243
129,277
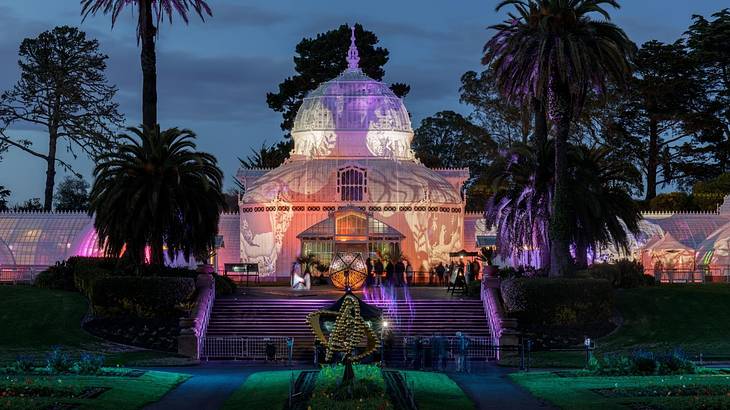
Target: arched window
352,184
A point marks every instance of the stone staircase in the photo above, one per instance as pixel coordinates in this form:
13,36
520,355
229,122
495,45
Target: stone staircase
287,317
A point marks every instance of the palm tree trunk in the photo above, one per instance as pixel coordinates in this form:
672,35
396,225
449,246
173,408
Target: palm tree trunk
149,65
560,112
581,255
541,131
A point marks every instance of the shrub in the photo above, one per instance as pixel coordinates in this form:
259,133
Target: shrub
23,364
675,363
58,361
624,274
59,276
89,363
224,285
641,363
561,301
143,297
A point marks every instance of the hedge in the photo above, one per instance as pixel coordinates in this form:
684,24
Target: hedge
144,297
624,274
558,301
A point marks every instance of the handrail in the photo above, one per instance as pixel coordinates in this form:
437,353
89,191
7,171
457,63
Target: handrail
194,327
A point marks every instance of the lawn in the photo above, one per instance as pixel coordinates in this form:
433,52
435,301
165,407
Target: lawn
666,392
262,391
35,319
123,392
660,318
691,317
436,391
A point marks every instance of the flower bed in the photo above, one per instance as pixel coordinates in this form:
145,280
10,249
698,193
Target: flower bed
366,392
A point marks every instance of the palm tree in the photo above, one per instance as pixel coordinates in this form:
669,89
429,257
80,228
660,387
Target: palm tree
553,52
603,211
519,207
149,15
155,190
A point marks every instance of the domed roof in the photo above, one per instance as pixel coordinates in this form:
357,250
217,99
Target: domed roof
352,116
352,102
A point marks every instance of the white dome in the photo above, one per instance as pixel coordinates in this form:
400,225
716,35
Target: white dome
352,116
352,102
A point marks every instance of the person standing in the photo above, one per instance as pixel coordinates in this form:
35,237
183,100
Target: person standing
378,268
475,269
390,273
409,273
400,272
440,272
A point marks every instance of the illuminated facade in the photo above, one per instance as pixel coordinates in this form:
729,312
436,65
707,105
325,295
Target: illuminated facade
352,183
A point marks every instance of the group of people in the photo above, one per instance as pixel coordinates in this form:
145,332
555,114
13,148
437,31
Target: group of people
394,272
433,352
448,274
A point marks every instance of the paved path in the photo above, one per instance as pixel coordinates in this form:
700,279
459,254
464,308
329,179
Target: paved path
490,389
209,388
212,383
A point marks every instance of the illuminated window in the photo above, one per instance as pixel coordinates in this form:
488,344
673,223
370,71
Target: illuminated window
352,184
352,225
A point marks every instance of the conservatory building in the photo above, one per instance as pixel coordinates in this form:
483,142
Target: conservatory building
351,184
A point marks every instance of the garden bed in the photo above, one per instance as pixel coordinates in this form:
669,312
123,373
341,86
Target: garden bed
635,392
269,390
112,389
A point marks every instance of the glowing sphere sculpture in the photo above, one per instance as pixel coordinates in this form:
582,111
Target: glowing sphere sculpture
348,271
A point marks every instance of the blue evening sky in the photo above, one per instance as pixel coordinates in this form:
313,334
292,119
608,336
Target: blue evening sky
213,76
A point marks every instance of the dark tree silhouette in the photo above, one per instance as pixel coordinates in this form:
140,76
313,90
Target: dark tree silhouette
62,89
657,111
150,14
268,156
551,53
323,58
72,194
4,195
155,190
708,41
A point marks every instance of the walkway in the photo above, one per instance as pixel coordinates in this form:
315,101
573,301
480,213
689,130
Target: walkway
208,389
212,383
491,389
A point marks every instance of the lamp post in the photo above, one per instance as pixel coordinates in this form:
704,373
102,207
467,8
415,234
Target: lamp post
383,326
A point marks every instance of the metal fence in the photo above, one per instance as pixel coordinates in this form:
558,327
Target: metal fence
249,348
19,274
479,348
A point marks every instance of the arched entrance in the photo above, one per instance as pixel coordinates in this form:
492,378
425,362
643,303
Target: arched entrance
349,230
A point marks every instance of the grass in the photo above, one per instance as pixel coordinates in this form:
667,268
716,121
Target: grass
669,316
262,391
436,391
125,392
35,319
640,391
42,316
659,318
268,391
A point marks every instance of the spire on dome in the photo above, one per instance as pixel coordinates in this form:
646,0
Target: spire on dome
353,58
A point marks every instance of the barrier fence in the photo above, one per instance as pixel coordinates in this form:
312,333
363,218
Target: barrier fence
248,348
20,274
479,348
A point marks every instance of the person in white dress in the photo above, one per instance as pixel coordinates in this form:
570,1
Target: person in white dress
300,281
